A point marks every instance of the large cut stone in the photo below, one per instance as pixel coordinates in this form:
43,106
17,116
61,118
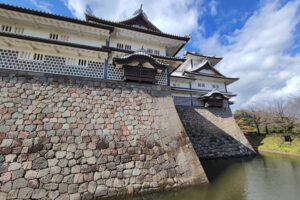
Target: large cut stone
92,187
14,166
6,187
39,163
31,174
39,193
19,183
101,190
53,194
25,193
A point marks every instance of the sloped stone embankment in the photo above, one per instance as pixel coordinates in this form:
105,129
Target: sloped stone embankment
64,138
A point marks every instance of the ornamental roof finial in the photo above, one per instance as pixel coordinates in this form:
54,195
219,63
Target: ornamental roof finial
140,11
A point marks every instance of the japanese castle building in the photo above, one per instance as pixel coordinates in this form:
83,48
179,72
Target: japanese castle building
130,50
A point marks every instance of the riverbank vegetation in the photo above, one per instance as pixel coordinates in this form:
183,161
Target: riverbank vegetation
272,128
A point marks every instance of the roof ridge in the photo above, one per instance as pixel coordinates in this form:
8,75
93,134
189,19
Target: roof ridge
199,54
116,22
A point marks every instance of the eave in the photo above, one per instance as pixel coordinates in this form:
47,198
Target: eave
228,80
183,77
199,92
52,16
141,57
206,65
213,59
201,55
55,42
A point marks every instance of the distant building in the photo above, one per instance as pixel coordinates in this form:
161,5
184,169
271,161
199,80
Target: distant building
197,83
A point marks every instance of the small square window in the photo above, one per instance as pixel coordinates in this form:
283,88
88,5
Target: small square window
216,86
202,85
156,52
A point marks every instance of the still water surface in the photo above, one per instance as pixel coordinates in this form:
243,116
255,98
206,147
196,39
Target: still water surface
266,177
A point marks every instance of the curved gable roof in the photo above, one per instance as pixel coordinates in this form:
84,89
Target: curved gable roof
132,24
141,57
140,20
205,64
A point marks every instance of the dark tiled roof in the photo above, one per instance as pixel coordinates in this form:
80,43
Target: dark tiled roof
198,54
35,39
140,55
140,20
199,91
126,26
208,75
52,16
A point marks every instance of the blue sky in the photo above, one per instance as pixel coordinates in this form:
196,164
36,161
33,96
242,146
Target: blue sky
258,39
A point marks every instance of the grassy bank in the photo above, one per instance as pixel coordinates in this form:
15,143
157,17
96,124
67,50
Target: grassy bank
274,143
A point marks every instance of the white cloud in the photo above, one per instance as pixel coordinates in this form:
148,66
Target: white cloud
42,5
256,54
177,17
213,7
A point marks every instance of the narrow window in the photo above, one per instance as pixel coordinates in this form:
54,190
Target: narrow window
38,57
156,52
150,51
119,45
71,61
24,55
19,30
216,86
128,47
6,28
82,63
64,38
202,85
53,36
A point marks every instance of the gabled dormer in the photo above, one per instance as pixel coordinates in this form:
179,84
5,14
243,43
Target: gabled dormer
203,67
140,20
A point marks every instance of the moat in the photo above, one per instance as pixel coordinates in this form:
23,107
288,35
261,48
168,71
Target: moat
265,177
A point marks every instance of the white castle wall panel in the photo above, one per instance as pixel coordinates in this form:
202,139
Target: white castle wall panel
137,45
51,64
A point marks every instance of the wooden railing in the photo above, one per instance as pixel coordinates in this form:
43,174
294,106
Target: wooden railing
139,74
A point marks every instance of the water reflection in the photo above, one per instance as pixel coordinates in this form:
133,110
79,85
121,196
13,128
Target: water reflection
266,177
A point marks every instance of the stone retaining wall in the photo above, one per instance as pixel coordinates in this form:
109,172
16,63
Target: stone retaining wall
62,138
214,132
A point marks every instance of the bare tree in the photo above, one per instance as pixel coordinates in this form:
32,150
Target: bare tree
257,116
286,113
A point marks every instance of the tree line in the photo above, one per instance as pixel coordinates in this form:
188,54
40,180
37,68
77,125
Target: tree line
280,117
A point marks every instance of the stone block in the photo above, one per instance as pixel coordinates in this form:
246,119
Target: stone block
101,190
19,183
31,174
39,194
25,193
39,163
14,166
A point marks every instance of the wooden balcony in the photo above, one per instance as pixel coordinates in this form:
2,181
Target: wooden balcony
214,102
139,74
